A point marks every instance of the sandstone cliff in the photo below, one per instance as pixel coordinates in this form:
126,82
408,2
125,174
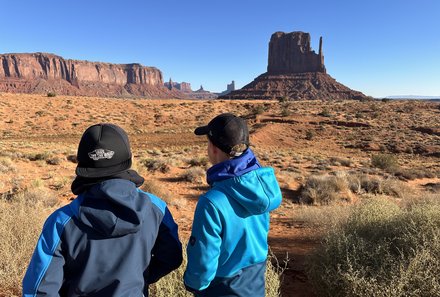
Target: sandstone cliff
41,72
295,72
291,53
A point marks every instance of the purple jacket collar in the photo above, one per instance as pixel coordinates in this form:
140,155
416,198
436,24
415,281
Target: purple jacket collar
233,167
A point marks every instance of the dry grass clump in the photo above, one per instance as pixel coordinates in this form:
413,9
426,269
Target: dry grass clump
336,161
37,194
363,183
380,250
325,189
21,220
7,165
198,161
328,189
323,218
194,175
386,162
39,156
414,173
156,165
172,284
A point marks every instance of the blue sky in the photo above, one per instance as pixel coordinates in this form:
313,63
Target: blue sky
379,47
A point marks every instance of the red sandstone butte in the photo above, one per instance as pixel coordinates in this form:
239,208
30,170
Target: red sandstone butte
43,73
294,72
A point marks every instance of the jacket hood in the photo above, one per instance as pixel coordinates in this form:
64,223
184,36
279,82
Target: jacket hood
233,167
257,191
243,179
113,208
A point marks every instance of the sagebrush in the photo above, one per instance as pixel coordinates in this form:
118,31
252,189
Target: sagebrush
381,250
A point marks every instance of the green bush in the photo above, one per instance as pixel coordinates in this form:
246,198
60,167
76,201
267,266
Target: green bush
51,94
381,250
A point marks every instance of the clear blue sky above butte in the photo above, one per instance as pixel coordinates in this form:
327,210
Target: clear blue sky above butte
379,47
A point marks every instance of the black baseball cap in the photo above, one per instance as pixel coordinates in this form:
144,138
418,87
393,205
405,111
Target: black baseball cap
226,131
104,150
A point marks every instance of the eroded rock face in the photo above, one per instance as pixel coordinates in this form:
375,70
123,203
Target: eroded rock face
41,72
299,86
294,72
291,53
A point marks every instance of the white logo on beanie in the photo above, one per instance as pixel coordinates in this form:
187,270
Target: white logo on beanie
99,154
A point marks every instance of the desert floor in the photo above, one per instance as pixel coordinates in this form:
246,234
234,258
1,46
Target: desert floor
39,136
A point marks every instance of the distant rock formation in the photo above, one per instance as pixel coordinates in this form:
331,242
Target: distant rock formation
183,86
229,88
42,73
294,72
291,53
203,94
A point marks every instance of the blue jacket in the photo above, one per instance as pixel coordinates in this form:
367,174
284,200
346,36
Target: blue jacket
228,247
112,240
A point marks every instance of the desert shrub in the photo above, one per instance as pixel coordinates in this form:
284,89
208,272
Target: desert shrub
36,194
395,188
199,161
336,161
385,161
172,284
310,134
59,183
39,156
325,113
258,109
194,175
156,165
285,112
41,113
381,250
7,165
72,158
283,99
413,173
363,183
321,218
325,189
54,161
51,94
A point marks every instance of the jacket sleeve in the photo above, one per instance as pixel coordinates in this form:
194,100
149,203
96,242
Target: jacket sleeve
204,246
44,276
167,250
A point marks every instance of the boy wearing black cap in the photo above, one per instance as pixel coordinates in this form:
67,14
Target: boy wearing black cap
228,247
113,239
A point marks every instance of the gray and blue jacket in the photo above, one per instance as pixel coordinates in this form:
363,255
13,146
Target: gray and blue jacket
228,247
112,240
